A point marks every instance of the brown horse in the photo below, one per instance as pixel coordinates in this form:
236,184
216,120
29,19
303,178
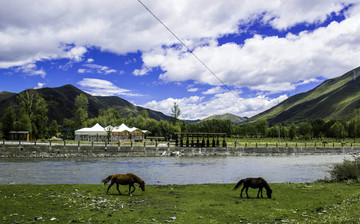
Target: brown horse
254,183
124,179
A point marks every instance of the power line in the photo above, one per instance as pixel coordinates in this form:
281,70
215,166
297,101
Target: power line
188,49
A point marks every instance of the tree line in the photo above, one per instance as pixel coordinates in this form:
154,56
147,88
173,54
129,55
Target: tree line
32,117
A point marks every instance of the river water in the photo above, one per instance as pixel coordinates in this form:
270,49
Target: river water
169,170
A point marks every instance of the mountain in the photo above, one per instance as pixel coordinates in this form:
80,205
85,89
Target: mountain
333,99
234,119
61,102
4,95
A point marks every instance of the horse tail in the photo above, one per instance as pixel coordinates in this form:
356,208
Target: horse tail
106,180
238,184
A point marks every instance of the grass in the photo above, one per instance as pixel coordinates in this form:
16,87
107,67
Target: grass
205,203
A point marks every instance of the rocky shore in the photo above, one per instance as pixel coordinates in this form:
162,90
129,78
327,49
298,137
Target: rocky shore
91,151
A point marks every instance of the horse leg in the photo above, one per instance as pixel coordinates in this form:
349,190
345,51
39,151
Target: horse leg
117,187
109,187
242,191
130,190
133,187
247,192
260,191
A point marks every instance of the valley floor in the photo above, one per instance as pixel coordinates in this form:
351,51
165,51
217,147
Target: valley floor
205,203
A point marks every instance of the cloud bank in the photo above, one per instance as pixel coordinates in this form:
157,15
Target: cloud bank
39,30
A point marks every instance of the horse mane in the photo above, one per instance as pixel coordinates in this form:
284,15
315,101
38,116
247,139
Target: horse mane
266,185
239,184
136,178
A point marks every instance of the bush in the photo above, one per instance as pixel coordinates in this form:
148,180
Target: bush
347,170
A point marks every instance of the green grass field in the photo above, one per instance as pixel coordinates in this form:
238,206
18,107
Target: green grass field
205,203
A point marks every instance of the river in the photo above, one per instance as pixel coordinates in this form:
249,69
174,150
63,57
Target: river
169,170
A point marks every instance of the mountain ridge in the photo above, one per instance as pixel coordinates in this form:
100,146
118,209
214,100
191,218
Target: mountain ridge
335,98
61,101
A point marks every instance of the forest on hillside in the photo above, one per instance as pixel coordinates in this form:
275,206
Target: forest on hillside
32,117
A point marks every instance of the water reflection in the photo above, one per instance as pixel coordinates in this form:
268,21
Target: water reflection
168,170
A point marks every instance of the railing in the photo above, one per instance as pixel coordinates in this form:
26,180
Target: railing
233,144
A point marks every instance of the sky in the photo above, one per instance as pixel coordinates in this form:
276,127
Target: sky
239,57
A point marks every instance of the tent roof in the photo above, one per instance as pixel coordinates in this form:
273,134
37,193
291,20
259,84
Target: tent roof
97,129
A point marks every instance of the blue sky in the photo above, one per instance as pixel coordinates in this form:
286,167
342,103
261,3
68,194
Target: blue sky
263,51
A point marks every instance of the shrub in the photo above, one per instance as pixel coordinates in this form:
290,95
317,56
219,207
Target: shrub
347,170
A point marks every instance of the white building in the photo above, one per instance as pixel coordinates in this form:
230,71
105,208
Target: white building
99,134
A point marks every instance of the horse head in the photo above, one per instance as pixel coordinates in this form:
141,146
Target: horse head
268,192
142,185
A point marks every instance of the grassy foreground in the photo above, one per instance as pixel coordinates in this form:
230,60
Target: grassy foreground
205,203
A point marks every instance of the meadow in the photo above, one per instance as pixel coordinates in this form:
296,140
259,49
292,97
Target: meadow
317,202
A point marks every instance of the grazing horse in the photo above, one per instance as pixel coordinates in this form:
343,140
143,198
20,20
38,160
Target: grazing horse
124,179
137,180
254,183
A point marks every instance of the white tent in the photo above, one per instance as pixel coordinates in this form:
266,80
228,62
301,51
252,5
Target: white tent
124,132
95,133
122,128
98,133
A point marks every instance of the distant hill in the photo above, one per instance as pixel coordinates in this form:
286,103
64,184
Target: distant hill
4,95
333,99
234,119
61,102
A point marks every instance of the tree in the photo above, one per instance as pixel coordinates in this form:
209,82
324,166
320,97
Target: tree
261,127
40,118
53,129
337,130
80,110
67,129
144,113
36,108
24,122
175,113
318,127
305,130
28,100
292,132
8,121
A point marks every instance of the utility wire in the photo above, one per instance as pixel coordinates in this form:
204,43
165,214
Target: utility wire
188,49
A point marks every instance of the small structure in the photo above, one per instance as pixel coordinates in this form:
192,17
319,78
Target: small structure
19,136
94,134
99,134
199,139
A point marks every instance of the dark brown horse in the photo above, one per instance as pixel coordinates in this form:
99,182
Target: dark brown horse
124,179
254,183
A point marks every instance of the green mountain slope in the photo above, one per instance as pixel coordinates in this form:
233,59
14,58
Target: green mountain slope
4,95
61,102
333,99
234,119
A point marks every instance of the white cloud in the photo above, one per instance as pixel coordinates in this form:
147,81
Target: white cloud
40,85
31,70
271,64
304,82
214,90
195,107
100,87
94,68
142,71
36,30
193,89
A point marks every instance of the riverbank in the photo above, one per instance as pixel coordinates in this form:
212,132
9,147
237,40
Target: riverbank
101,151
205,203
